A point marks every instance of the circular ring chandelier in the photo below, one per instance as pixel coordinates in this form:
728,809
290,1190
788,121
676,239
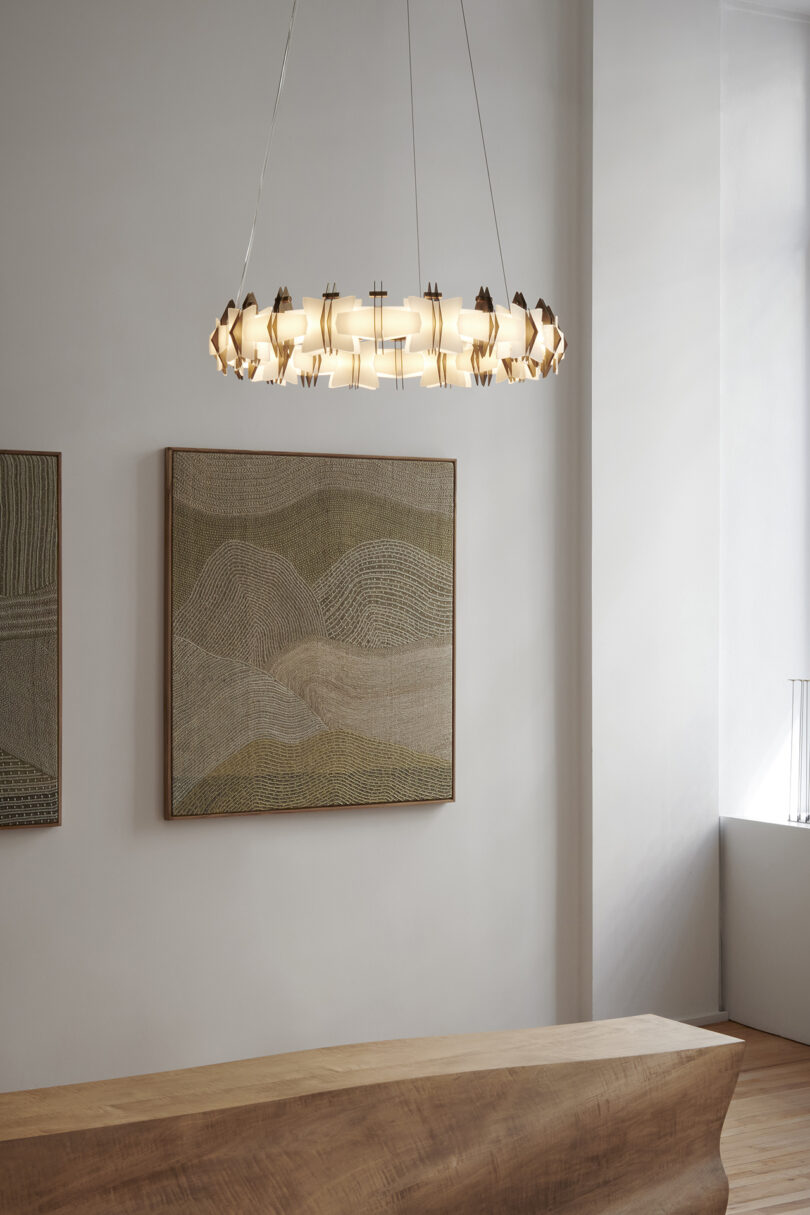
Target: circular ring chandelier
355,345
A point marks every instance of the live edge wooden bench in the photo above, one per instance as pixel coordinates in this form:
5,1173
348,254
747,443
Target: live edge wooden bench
608,1118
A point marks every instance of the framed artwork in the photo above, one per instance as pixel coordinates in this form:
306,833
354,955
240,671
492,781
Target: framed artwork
310,624
30,639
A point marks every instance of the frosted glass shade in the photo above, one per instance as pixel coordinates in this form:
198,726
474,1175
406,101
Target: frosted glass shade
270,370
442,371
380,324
352,345
221,343
354,371
398,364
475,326
344,370
438,325
470,360
323,335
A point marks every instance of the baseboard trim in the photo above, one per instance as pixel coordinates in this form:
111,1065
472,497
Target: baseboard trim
709,1019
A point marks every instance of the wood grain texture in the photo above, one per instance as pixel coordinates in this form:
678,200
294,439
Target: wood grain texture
763,1049
614,1118
765,1144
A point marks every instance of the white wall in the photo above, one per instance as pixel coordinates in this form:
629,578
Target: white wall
656,183
765,509
130,137
766,910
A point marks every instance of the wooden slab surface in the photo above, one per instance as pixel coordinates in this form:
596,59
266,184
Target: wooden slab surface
611,1118
224,1085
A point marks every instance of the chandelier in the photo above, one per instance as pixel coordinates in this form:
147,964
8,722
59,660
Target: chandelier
355,344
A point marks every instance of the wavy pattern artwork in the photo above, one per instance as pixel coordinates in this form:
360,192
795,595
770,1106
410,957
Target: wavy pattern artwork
311,631
33,615
334,769
248,603
29,639
402,696
29,796
313,532
29,489
29,687
386,593
221,705
242,484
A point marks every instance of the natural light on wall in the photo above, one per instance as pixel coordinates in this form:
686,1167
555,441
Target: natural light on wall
765,427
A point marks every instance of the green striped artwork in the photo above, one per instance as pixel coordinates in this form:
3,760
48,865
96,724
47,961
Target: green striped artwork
29,639
310,609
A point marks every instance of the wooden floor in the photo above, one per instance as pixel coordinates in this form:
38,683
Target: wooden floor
766,1138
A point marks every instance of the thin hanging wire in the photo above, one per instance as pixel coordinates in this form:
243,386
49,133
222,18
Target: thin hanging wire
484,146
413,146
270,133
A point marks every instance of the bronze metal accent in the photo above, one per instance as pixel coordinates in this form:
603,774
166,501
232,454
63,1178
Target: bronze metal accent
552,356
310,378
282,350
482,378
377,296
483,303
435,296
331,293
531,329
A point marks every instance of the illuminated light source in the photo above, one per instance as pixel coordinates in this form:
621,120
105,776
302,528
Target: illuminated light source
442,371
380,323
355,345
323,334
398,364
438,323
344,369
478,364
220,343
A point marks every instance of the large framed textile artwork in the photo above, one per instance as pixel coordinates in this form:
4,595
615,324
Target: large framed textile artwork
310,621
30,639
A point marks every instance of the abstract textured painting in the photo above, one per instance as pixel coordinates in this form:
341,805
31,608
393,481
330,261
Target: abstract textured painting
310,624
29,639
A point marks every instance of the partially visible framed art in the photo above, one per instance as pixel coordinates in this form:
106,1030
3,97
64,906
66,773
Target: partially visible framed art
310,626
30,639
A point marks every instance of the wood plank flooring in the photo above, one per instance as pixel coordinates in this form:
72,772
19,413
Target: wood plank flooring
766,1138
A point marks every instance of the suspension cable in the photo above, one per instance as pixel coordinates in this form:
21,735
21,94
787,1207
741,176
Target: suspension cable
484,146
413,147
270,133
